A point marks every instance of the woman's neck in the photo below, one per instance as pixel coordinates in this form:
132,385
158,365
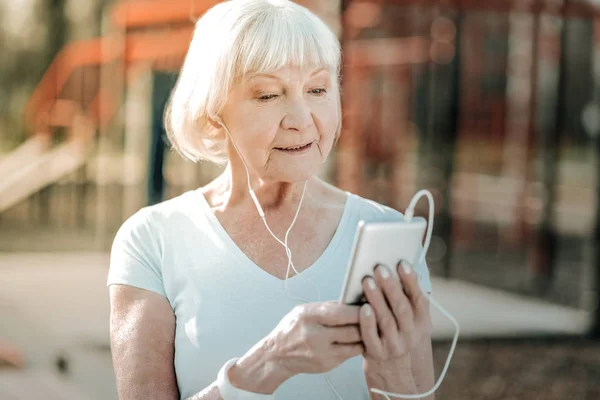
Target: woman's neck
230,190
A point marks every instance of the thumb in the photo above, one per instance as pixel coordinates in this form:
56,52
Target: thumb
337,314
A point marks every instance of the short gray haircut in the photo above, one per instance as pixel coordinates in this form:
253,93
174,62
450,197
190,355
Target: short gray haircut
231,40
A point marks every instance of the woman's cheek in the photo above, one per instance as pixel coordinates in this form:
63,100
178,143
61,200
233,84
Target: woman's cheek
330,127
260,146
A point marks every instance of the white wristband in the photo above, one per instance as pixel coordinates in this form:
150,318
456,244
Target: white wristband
230,392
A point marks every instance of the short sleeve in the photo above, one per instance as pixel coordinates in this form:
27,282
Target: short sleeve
135,255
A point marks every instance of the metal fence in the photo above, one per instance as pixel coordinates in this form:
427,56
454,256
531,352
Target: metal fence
490,105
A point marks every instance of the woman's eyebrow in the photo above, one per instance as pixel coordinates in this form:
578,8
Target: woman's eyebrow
318,71
268,76
275,77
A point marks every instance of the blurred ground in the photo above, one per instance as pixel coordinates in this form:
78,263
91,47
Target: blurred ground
84,218
55,307
535,369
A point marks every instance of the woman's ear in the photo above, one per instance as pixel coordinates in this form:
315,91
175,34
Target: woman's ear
215,122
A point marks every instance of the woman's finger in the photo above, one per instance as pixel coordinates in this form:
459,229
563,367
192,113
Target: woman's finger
346,334
408,276
398,303
388,327
331,313
345,351
368,332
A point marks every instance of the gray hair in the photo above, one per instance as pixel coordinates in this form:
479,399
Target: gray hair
231,40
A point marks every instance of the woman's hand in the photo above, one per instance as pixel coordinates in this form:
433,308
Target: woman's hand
394,321
317,337
312,338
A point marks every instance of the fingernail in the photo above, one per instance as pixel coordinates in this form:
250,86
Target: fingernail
406,268
371,283
367,310
384,272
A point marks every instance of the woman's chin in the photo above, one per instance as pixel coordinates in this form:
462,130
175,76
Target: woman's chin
296,174
296,169
299,176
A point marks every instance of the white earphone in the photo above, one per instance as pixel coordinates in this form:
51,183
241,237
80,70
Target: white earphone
252,194
408,216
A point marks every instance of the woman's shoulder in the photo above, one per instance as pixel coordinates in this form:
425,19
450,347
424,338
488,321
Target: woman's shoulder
155,217
136,256
371,211
361,207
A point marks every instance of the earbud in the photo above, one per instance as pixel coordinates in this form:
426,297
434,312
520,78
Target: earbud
219,121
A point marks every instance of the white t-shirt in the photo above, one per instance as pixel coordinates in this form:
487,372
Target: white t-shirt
223,302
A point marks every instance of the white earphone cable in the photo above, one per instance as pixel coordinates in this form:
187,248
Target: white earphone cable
408,217
262,216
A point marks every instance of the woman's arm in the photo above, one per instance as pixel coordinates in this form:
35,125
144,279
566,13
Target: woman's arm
142,335
422,367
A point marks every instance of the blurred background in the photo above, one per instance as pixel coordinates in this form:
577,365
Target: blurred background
492,105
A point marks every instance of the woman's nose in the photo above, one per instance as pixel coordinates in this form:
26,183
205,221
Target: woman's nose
298,117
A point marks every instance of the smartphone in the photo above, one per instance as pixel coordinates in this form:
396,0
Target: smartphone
384,243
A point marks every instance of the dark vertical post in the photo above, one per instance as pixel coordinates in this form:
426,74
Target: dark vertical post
595,245
550,133
161,89
595,333
424,109
443,133
524,227
450,153
350,152
57,33
81,196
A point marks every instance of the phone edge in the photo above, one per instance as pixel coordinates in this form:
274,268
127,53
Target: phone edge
350,266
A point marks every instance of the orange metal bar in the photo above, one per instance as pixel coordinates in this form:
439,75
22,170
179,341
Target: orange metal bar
140,13
62,112
142,46
97,111
572,8
81,53
164,47
157,45
136,13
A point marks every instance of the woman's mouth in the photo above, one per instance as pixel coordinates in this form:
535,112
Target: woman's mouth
296,149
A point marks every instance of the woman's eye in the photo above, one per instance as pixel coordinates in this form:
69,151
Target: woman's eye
319,91
267,97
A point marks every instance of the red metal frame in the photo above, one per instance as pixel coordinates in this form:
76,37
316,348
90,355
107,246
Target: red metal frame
577,8
163,46
166,48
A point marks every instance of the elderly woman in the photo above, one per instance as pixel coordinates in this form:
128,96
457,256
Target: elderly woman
203,304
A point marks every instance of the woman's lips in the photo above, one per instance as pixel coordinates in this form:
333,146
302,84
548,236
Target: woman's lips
296,150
